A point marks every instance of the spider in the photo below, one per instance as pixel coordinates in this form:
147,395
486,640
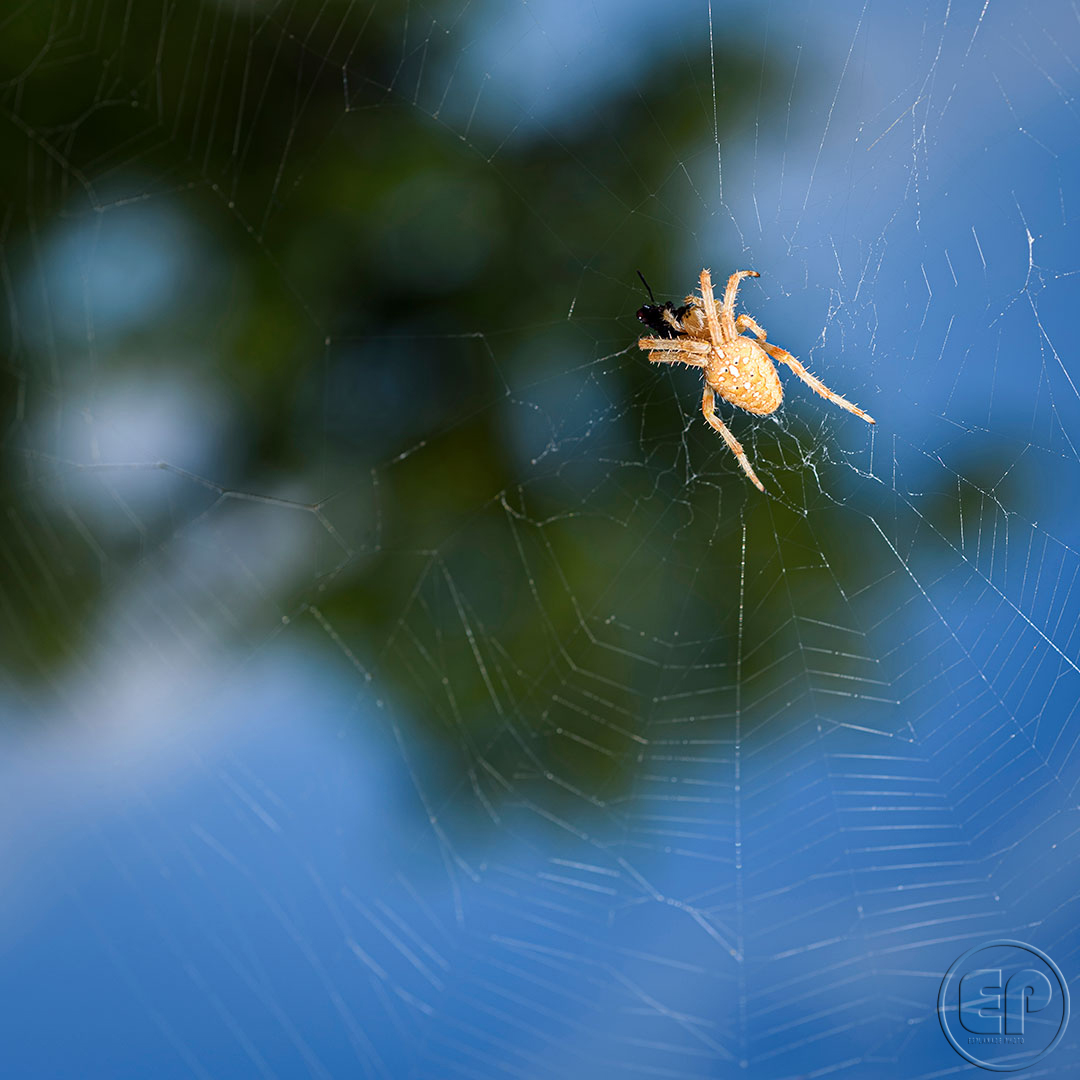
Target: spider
736,367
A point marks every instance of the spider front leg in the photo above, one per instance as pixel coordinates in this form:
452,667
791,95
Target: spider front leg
680,350
812,381
744,322
727,312
712,320
708,407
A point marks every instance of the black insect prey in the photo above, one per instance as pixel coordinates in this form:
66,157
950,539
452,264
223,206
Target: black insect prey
652,315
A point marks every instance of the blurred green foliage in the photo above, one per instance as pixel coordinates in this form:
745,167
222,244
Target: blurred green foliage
522,531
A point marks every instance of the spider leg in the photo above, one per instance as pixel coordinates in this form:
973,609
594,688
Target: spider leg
708,407
744,322
727,312
812,381
708,304
685,350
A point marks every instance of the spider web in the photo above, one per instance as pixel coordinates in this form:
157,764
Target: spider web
402,680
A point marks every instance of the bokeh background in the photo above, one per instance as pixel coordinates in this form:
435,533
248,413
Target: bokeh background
398,678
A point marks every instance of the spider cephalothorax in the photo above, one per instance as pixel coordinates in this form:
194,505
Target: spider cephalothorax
736,367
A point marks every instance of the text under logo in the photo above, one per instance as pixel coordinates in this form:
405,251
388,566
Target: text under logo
1003,1005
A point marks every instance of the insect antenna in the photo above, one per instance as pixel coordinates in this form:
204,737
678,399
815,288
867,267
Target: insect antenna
646,284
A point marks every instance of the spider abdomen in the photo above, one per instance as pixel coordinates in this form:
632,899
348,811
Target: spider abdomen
743,373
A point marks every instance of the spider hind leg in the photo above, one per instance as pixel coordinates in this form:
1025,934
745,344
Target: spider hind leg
708,407
813,381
